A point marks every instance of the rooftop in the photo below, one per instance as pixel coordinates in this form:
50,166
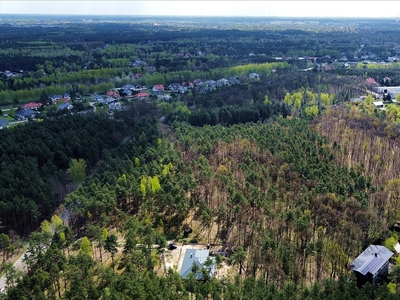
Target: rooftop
199,257
371,259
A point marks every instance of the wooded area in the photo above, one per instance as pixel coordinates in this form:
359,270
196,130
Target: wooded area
283,171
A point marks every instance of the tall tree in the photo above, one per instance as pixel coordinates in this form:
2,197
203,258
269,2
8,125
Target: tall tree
111,246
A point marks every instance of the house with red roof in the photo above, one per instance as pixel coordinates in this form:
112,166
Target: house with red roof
141,96
61,101
112,94
32,105
158,89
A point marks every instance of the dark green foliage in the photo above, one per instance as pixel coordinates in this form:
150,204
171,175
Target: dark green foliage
35,158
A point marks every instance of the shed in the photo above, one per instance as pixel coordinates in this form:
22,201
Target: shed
372,264
199,258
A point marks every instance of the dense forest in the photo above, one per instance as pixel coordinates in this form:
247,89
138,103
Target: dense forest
283,172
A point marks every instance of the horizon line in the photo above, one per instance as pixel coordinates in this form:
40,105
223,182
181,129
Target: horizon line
198,16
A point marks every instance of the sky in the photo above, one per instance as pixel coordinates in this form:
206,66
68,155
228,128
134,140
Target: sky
367,9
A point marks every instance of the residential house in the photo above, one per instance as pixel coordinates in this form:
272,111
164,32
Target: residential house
112,94
54,98
211,83
114,106
167,98
65,105
204,263
8,73
141,96
32,105
222,82
254,76
233,80
372,264
158,89
174,87
197,82
183,89
138,63
128,87
25,113
3,123
67,96
101,100
97,97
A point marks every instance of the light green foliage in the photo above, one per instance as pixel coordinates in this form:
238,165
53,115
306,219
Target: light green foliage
392,287
369,99
393,112
336,257
56,221
86,247
137,162
297,99
288,99
62,237
45,226
166,169
77,170
151,184
367,105
391,242
266,99
104,234
311,98
311,111
326,99
155,185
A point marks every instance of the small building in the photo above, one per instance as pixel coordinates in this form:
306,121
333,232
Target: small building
378,104
372,264
200,258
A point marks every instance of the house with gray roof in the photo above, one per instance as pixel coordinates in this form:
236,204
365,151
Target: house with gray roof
65,105
3,123
25,113
372,264
199,260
